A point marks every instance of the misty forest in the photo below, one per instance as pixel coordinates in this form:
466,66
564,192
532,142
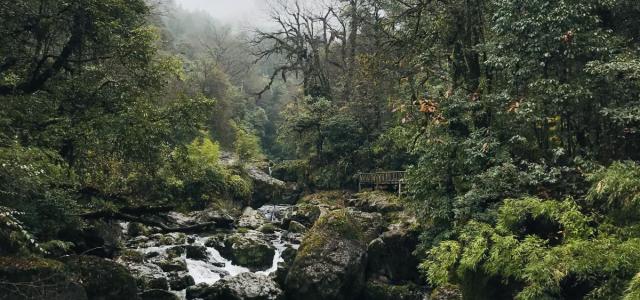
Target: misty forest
341,149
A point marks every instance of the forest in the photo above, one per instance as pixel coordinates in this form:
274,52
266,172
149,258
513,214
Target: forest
151,151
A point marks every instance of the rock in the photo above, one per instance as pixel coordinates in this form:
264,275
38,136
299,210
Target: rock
296,227
246,286
180,280
99,238
376,201
102,279
197,252
333,199
305,214
447,292
251,219
176,251
266,189
268,228
50,279
136,229
213,214
191,239
391,256
158,295
383,291
331,261
131,256
289,254
250,250
152,254
57,248
148,276
197,291
173,265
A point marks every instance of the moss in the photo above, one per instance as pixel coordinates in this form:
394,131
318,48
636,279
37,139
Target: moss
48,279
335,198
132,256
268,228
383,291
334,224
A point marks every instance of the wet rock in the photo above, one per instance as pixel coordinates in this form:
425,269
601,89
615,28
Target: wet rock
251,219
152,254
289,254
197,252
296,227
102,279
176,251
222,218
50,278
246,286
250,250
191,239
180,280
331,261
158,295
268,228
173,265
197,291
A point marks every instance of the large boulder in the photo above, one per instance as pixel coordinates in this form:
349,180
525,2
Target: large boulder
49,280
250,250
391,256
331,261
384,291
102,279
246,286
158,295
266,189
376,201
252,219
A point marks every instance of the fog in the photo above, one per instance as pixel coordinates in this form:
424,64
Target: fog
242,13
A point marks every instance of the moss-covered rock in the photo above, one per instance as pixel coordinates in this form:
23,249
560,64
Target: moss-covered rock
334,199
179,281
250,250
173,265
197,252
158,295
383,291
391,256
376,201
48,280
246,286
447,292
102,279
136,229
57,248
251,219
131,256
296,227
331,261
305,214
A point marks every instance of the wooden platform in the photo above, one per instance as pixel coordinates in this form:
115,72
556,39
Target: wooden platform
382,178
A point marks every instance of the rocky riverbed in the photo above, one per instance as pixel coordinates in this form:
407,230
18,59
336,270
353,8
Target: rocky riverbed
331,245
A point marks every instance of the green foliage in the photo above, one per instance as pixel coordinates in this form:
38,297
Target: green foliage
247,146
617,188
549,248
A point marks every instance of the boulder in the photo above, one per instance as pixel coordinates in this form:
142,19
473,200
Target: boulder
266,189
250,250
251,219
158,295
148,276
50,279
176,251
246,286
174,265
197,291
102,279
136,229
197,252
384,291
305,214
331,261
391,256
376,201
179,281
99,238
296,227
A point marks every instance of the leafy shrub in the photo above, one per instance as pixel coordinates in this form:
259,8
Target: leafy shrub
616,190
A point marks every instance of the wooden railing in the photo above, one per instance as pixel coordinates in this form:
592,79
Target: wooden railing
382,178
